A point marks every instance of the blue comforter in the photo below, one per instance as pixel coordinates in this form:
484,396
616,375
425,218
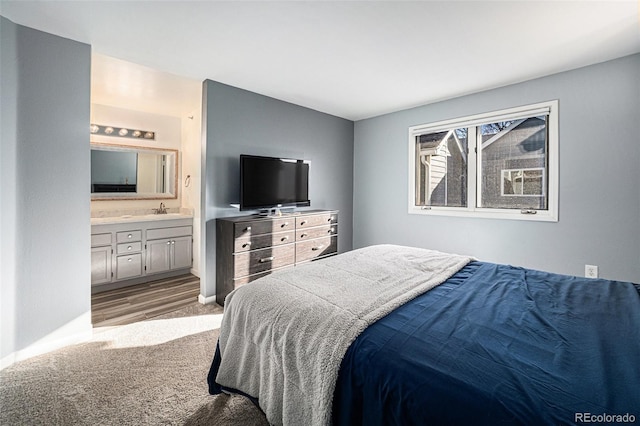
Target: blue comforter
497,344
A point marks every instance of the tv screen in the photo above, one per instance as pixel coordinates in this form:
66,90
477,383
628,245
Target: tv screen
268,182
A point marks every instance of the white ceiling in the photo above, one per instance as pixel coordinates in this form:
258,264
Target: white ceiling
124,84
353,59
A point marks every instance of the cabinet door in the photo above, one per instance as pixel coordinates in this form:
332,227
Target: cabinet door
100,265
181,251
158,256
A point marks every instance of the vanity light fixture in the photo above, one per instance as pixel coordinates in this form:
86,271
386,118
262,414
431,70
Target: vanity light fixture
98,129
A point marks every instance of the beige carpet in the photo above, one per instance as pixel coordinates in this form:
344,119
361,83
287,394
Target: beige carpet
148,373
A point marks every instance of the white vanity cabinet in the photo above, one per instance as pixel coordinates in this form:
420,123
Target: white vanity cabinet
168,249
136,249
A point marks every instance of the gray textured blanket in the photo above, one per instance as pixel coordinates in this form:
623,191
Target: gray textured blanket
283,337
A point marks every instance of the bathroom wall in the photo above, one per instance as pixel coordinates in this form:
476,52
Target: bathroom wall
168,131
190,184
179,133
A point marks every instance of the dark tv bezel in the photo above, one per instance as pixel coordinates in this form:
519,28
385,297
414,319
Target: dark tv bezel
300,203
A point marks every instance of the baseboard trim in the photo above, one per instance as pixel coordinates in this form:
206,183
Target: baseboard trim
53,341
7,361
206,300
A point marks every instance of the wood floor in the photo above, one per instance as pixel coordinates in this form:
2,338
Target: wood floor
143,301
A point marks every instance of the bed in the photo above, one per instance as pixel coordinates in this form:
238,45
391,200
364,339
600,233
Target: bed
392,335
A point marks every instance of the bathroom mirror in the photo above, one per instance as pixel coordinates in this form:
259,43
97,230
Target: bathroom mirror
121,172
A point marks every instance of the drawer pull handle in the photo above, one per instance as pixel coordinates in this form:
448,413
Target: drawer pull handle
130,236
316,248
330,219
329,231
247,229
247,244
129,248
285,238
284,224
304,222
168,242
173,242
129,260
266,259
304,234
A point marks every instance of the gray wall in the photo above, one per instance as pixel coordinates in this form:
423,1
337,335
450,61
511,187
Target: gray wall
45,267
238,122
599,109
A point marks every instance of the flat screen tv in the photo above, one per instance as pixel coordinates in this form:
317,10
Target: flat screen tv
269,182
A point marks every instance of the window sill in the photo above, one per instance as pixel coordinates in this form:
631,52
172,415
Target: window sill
539,216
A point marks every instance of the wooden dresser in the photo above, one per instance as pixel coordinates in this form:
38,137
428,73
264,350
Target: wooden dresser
250,247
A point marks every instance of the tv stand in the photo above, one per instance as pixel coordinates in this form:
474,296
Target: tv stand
250,247
276,212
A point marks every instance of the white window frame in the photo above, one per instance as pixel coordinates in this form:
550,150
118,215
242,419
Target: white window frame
528,169
549,108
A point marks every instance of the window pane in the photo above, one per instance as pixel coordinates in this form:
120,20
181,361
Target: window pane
513,164
441,168
532,184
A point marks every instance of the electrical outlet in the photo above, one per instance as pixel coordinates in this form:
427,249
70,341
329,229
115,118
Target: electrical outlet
591,271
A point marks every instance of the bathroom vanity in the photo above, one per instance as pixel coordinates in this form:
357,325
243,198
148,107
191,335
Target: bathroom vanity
131,250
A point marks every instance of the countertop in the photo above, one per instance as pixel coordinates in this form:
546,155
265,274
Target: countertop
139,218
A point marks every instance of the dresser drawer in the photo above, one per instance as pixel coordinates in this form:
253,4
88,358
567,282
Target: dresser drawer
256,261
129,266
316,232
129,248
316,220
100,240
123,237
263,226
238,282
312,249
261,241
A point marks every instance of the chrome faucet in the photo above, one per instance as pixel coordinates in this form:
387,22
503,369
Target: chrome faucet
161,210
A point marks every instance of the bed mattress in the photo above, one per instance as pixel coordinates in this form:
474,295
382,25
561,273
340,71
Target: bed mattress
493,344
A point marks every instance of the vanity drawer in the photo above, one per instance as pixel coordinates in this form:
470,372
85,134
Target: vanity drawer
257,261
316,232
312,249
160,233
264,226
129,248
129,266
126,236
100,240
316,220
261,241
